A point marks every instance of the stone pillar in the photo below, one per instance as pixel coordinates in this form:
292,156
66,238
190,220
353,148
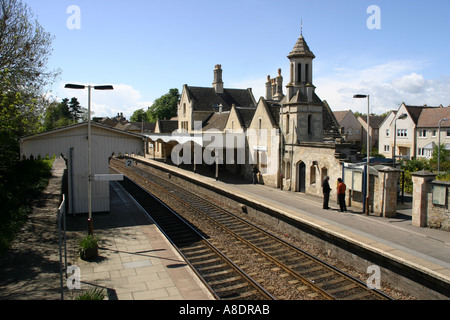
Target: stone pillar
421,187
387,192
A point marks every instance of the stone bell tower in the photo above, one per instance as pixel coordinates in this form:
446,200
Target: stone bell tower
302,106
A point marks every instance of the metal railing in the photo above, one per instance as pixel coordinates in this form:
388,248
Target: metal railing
62,240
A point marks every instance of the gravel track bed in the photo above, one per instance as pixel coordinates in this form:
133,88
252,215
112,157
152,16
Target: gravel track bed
274,280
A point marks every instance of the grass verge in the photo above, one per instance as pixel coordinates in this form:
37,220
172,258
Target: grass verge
19,186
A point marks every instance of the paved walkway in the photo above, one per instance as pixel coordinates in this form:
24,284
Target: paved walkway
136,261
30,269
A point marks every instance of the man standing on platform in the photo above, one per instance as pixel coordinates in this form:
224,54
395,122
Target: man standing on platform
255,174
326,192
341,195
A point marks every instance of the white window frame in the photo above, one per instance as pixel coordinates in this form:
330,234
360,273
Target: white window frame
402,133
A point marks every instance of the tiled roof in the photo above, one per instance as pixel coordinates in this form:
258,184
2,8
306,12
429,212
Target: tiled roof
245,115
274,109
167,126
148,126
206,99
331,127
374,121
216,121
429,118
340,115
301,49
414,112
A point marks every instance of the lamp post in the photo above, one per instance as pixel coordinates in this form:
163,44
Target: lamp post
439,143
89,87
359,96
402,116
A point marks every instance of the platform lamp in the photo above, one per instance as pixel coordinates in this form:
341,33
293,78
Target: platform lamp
439,143
359,96
89,87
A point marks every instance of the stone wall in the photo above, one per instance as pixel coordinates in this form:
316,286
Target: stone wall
438,215
430,201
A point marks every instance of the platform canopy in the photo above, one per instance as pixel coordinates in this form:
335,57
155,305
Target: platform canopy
180,138
71,142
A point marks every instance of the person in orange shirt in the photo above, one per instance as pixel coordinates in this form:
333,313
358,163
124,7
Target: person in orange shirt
341,195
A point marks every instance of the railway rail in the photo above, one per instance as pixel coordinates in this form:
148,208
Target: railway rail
224,279
313,278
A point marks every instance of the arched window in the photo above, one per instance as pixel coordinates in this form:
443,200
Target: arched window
312,175
288,170
310,124
287,123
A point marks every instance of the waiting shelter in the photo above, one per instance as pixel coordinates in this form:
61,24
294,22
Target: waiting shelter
71,142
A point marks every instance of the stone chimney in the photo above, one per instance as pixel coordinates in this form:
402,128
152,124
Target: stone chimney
274,87
279,87
268,88
218,83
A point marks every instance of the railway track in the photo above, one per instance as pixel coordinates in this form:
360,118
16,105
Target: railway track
314,278
225,280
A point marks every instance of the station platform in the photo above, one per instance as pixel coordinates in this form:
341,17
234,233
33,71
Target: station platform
424,249
135,262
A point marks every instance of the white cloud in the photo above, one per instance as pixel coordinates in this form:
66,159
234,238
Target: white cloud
123,99
388,85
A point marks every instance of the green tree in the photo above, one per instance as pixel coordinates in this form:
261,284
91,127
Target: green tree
139,115
24,52
75,109
164,107
25,49
443,155
57,115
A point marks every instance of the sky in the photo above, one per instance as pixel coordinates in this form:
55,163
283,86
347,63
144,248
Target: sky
394,51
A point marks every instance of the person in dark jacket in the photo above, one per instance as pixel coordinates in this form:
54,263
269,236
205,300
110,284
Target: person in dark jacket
255,174
326,192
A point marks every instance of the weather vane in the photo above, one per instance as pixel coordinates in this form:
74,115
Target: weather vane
301,26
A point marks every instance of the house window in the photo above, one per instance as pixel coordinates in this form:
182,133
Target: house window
448,133
421,152
387,132
422,133
387,148
402,132
433,132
